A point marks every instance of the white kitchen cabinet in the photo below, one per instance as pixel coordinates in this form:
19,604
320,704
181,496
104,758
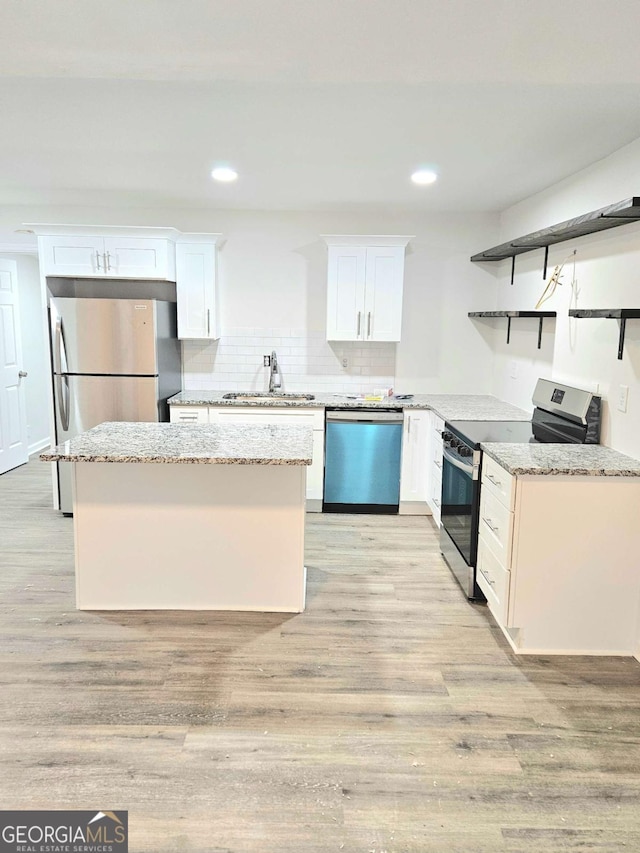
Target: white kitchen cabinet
364,288
117,256
286,416
196,286
554,560
415,459
434,461
189,414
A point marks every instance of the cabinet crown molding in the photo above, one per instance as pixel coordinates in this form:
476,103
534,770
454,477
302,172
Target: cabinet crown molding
367,239
44,229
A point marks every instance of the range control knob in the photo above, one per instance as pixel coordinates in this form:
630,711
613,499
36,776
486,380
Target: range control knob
465,451
447,436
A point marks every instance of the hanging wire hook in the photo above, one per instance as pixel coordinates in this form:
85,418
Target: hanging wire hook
554,281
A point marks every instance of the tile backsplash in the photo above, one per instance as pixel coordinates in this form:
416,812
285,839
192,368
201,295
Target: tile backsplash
307,362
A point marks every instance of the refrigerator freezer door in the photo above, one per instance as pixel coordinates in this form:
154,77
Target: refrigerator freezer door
87,401
104,336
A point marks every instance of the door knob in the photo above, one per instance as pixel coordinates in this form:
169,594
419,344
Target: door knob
22,374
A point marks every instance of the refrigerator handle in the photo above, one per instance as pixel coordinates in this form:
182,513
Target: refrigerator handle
62,382
60,354
62,393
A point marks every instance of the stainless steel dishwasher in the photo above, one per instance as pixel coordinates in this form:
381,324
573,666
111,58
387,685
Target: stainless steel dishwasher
363,448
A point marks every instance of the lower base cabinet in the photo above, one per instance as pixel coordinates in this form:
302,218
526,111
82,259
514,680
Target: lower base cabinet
421,471
557,561
434,463
268,415
414,468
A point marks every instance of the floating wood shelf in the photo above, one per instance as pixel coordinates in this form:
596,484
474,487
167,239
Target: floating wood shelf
611,216
622,314
511,314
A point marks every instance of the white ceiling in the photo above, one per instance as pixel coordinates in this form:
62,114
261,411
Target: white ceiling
320,104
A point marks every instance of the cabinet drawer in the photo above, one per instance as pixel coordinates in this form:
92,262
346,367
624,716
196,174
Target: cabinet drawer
493,579
267,415
189,414
498,482
435,492
496,526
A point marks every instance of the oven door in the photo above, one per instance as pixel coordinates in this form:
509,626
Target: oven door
460,503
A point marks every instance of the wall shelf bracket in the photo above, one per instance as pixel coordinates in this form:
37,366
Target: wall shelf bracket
511,314
622,314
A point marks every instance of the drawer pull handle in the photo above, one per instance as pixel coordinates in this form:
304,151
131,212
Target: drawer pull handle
495,482
487,578
491,527
436,502
437,464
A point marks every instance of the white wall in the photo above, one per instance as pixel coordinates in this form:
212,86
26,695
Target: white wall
607,272
273,270
35,354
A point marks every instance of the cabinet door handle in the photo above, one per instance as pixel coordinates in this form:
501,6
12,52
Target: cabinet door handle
208,322
98,267
359,318
437,464
107,261
408,424
369,324
495,482
491,527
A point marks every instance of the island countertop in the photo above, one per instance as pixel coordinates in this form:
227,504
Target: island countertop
210,444
450,407
587,460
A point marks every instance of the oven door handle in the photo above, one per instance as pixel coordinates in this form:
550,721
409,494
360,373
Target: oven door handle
468,469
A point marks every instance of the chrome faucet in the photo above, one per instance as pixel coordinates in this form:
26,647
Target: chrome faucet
275,372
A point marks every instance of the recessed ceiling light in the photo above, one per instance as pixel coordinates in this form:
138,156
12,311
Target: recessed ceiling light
224,174
424,176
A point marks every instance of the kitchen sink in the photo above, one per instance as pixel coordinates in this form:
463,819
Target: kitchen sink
262,398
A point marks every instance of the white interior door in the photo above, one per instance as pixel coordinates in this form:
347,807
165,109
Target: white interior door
13,416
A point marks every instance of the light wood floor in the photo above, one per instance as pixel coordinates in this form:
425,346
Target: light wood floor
390,716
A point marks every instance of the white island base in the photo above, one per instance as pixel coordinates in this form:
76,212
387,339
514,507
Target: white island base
189,536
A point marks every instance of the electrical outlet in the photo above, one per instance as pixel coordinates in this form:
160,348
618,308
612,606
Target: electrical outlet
623,397
345,362
266,360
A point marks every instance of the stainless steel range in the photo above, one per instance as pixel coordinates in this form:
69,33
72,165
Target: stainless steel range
562,415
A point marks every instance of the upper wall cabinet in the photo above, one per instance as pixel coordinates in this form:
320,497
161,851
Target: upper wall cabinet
82,251
196,286
364,287
118,256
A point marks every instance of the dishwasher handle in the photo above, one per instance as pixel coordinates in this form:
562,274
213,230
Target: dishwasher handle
366,417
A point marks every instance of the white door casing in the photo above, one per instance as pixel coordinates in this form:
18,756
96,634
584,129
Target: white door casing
13,417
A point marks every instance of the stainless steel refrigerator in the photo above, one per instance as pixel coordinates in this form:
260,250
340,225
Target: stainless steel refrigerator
113,360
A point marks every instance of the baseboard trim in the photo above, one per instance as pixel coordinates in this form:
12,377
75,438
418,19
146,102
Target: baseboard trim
414,508
38,445
313,505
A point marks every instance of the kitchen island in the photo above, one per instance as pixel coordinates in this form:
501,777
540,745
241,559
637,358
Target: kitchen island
173,516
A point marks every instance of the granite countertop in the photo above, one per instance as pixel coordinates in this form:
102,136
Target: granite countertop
450,407
188,443
569,459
